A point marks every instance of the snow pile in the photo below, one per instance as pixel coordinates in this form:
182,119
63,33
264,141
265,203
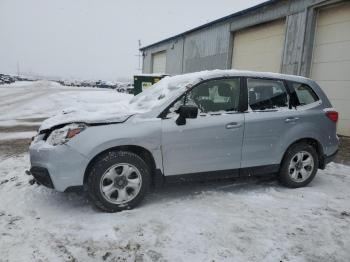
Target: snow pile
254,220
23,101
17,135
32,84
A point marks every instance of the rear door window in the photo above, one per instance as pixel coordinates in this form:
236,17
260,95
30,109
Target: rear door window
265,94
305,94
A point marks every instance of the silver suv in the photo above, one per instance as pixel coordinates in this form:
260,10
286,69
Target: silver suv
212,124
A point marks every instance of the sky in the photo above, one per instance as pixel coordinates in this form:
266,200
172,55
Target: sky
95,39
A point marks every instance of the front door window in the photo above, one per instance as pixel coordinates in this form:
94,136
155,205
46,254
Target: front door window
215,96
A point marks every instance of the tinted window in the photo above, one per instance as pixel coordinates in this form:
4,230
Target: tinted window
215,95
305,94
266,94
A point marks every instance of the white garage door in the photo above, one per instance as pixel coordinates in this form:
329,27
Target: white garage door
331,59
259,48
159,62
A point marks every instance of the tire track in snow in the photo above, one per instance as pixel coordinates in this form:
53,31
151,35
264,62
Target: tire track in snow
26,97
9,94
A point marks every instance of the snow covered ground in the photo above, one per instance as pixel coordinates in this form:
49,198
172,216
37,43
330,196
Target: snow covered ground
255,220
232,220
42,99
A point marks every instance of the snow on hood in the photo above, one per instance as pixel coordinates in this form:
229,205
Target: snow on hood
83,116
94,107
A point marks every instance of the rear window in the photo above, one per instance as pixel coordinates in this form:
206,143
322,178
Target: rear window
266,94
305,94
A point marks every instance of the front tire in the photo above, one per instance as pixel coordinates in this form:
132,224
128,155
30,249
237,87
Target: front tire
299,166
118,181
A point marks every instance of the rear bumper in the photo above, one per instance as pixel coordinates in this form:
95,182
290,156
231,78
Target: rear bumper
330,158
327,159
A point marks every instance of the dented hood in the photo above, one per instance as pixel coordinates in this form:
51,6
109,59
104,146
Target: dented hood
79,116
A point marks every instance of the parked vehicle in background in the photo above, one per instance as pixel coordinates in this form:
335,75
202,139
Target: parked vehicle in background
126,87
196,126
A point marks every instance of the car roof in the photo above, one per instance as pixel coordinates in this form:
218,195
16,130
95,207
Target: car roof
197,77
205,75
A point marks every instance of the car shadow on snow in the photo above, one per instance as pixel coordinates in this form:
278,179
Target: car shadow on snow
168,192
173,191
75,201
239,186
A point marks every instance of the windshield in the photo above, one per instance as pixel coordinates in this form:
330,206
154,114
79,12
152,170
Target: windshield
161,92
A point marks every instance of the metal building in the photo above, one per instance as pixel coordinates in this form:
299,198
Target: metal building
301,37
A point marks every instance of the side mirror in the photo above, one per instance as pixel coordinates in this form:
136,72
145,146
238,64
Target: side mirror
186,111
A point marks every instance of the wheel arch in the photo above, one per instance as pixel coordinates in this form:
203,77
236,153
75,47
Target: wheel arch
142,152
314,143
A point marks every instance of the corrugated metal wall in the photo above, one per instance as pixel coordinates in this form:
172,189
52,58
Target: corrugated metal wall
174,54
207,49
211,47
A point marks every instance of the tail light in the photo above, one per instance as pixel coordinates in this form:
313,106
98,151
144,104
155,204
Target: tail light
333,116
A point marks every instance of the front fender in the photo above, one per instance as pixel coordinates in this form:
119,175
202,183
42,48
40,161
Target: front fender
143,133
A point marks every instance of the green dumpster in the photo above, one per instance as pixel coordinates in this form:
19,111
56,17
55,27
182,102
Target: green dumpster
143,81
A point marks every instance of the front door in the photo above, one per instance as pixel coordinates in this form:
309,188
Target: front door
212,141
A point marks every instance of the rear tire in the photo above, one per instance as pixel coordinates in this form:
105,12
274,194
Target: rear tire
299,166
118,181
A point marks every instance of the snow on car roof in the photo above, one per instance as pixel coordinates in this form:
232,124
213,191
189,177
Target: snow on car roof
233,72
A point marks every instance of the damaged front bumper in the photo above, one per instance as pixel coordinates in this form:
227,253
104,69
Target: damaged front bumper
41,176
60,167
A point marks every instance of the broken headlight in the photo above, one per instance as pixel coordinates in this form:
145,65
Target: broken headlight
63,135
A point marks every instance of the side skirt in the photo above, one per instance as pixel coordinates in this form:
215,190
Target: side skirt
222,174
260,170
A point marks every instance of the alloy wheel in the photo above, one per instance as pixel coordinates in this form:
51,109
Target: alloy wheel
301,166
121,183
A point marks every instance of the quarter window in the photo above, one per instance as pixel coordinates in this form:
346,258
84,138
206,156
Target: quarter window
305,94
266,94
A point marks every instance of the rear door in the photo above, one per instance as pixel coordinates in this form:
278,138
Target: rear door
267,121
212,141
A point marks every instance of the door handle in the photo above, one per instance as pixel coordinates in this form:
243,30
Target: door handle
233,125
291,119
